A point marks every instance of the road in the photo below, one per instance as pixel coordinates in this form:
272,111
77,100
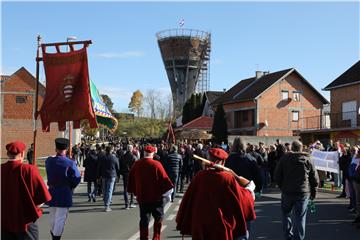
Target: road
89,221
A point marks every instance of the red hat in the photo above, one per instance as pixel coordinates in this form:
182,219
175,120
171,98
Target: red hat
218,153
149,149
15,147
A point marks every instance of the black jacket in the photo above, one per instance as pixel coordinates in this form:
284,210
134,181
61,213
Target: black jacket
126,162
295,173
108,166
173,163
244,166
90,165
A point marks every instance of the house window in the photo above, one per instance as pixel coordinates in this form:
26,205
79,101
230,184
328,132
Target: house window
285,95
295,116
245,116
296,96
21,99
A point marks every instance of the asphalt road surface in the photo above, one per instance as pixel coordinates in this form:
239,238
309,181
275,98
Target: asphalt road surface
89,221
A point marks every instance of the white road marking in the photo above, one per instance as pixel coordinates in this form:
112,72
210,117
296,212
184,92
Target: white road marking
171,217
176,208
151,223
179,200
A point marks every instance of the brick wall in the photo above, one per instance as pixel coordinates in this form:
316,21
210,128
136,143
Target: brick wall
22,129
279,113
17,118
344,94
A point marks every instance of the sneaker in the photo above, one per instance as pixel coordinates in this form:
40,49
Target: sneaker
352,210
107,209
341,196
89,200
132,206
94,199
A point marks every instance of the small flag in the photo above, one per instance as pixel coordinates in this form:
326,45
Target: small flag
170,135
182,22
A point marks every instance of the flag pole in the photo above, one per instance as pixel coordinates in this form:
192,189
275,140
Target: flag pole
38,59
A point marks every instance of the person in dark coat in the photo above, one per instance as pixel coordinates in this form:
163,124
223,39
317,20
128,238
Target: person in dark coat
91,164
30,154
197,164
126,162
173,162
108,168
244,165
272,160
188,164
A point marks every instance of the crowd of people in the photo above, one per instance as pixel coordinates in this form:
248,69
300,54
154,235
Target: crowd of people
153,171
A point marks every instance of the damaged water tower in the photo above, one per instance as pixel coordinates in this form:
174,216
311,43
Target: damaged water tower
186,56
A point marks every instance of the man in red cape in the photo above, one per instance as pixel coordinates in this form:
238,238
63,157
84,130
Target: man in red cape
22,191
215,206
150,184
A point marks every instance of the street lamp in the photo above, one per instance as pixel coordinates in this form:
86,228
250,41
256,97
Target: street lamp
70,38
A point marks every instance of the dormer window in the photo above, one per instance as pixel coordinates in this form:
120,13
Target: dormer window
285,95
296,96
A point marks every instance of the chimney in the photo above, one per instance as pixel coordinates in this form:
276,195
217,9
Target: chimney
259,74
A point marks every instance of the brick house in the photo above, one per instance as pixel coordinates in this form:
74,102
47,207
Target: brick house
270,104
343,121
17,111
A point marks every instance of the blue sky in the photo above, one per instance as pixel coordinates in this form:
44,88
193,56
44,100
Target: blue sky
321,40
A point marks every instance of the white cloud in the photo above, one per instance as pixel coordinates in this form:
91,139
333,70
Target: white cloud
127,54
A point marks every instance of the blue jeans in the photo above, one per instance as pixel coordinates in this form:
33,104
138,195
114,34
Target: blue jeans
92,193
108,186
294,209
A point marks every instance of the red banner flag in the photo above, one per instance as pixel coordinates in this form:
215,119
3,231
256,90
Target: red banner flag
170,134
67,96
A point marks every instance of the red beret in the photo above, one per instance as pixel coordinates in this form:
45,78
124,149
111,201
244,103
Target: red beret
149,149
218,153
16,147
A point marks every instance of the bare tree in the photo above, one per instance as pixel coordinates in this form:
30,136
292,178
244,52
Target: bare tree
169,106
150,99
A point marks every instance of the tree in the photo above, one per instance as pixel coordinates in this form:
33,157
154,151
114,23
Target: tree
219,129
193,108
151,99
107,101
86,130
136,103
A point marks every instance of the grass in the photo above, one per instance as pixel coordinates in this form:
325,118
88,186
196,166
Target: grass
42,171
328,186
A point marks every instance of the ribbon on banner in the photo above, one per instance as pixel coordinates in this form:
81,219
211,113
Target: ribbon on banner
103,116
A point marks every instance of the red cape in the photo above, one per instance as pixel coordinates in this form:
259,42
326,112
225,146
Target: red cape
215,207
20,195
148,181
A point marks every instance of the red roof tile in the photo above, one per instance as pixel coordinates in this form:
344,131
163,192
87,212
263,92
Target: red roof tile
202,122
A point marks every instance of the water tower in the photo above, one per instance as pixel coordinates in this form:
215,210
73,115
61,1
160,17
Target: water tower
186,56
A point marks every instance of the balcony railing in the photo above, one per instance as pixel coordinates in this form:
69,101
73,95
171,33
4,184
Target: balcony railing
330,121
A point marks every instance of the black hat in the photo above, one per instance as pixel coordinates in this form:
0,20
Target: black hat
61,143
